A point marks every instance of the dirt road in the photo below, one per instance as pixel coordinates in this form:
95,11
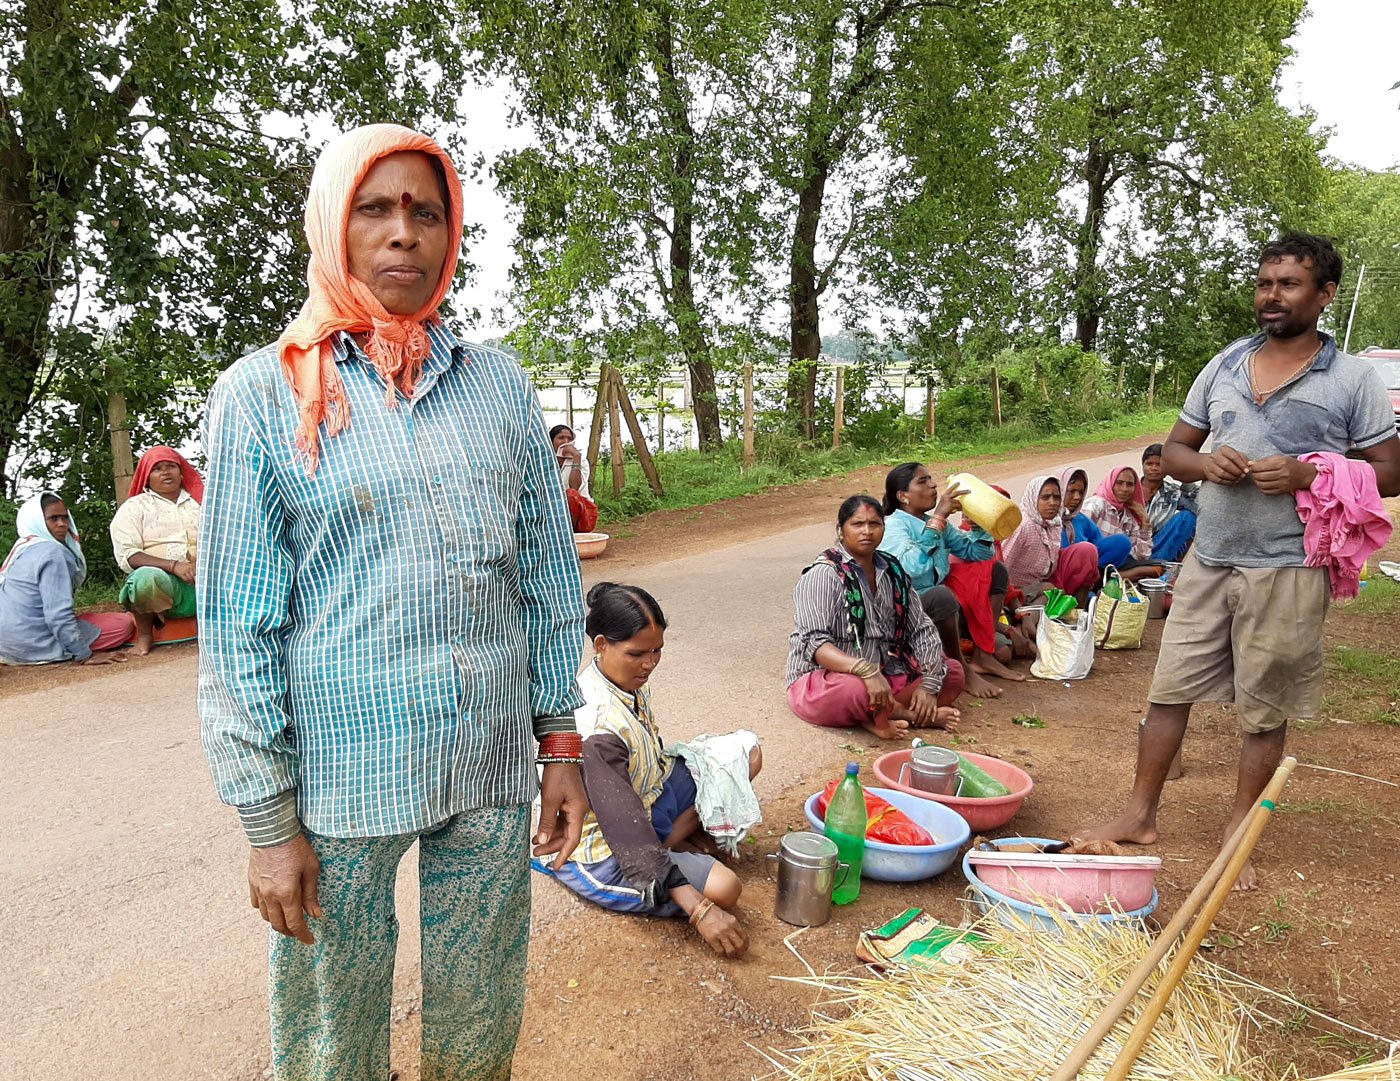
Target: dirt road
131,952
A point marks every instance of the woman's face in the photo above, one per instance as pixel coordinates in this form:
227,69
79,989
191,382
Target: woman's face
1124,486
1074,495
1049,502
863,531
165,479
563,436
56,518
922,494
1152,469
630,663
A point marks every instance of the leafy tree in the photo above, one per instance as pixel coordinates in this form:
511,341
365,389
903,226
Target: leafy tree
1361,210
153,162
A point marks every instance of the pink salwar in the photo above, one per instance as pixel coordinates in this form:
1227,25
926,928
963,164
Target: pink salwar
113,629
840,700
1077,568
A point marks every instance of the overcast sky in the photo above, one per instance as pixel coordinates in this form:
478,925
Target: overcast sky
1347,57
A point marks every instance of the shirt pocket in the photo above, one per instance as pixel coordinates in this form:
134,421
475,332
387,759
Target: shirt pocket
1302,426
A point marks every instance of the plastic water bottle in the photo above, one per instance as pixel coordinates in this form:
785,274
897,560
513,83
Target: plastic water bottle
845,824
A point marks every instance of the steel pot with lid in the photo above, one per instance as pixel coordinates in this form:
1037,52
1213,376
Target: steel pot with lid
807,870
932,769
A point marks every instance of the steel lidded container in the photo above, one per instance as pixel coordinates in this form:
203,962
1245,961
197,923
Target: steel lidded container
932,769
807,868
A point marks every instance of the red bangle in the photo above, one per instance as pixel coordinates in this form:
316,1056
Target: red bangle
562,745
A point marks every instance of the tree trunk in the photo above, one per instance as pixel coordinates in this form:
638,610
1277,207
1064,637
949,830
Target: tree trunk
804,292
1088,299
684,312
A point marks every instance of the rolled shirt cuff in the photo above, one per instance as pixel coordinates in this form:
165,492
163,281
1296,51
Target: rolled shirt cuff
548,726
272,821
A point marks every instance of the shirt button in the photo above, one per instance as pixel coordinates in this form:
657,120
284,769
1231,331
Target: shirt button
438,481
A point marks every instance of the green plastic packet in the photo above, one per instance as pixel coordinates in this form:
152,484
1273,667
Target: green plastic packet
1058,603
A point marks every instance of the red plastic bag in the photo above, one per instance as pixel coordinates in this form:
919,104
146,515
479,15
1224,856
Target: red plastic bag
888,824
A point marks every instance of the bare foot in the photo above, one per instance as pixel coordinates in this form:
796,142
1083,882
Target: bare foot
894,728
1022,645
947,718
1248,880
988,665
143,643
1130,828
979,688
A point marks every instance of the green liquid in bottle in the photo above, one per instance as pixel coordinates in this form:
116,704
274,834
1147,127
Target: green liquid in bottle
846,823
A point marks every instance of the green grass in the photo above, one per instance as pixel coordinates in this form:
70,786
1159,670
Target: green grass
1380,597
692,479
1366,679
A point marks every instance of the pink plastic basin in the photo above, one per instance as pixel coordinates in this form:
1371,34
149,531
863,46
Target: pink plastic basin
981,814
1084,884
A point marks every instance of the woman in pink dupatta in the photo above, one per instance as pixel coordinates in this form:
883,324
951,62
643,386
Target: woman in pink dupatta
1033,554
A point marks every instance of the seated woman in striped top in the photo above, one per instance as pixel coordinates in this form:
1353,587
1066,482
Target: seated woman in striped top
863,651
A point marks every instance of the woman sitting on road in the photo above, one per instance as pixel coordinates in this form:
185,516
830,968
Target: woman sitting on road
643,849
863,651
918,535
154,537
1033,553
37,583
1078,526
1171,508
1118,507
573,477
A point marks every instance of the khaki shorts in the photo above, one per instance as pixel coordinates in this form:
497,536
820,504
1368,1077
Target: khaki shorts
1248,635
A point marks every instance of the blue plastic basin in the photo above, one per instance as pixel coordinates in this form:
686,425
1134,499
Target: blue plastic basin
908,863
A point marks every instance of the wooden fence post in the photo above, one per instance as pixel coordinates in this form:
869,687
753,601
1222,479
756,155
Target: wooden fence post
569,404
661,417
619,470
595,433
639,443
996,393
1122,371
840,408
1152,387
748,414
928,409
123,464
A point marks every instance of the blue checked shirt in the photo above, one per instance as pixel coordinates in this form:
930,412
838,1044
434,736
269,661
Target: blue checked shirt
382,641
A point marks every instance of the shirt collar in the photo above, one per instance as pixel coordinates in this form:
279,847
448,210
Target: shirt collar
445,349
1237,352
632,701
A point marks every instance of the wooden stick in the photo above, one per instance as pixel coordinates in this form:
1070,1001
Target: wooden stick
619,468
639,442
840,409
1164,941
595,433
1142,1030
748,414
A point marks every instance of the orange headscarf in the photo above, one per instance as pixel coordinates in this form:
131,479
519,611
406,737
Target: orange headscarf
190,479
398,344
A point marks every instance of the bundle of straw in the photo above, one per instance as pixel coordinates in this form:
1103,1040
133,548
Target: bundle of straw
1388,1070
1014,1012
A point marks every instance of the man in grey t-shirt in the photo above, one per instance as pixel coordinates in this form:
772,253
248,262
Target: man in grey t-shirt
1246,622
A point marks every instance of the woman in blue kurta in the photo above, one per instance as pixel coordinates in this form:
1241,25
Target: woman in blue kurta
1114,549
917,534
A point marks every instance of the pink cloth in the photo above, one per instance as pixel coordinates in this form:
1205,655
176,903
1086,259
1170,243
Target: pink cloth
1105,489
114,629
1032,552
1078,568
1344,520
840,700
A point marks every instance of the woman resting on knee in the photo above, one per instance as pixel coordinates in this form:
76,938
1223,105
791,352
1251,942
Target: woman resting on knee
573,477
37,583
1113,550
1117,507
154,537
1171,508
863,651
1033,553
918,535
643,849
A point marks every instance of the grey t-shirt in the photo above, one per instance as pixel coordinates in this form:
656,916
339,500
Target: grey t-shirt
1338,403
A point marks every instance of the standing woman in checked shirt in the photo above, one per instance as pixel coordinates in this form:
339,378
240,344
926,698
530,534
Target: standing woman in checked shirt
391,623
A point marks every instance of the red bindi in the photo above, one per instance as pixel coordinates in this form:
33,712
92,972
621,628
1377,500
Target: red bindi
405,199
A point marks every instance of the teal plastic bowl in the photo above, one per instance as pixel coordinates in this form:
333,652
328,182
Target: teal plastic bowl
908,863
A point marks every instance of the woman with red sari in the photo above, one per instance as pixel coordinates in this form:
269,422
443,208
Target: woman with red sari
1033,554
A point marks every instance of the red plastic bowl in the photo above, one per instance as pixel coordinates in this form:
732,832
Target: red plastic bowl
981,814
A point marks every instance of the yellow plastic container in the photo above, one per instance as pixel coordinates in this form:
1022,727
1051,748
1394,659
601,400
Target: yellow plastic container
987,507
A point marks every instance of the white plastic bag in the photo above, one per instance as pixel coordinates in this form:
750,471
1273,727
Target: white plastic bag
1064,651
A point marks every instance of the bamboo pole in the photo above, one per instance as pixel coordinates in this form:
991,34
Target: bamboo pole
595,433
928,409
1147,1020
996,393
840,408
569,404
661,417
619,470
639,442
123,463
748,414
1163,943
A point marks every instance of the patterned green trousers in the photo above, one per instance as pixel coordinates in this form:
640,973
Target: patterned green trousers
330,1002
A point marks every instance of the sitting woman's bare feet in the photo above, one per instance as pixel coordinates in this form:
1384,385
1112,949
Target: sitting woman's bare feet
948,718
978,686
1022,644
988,665
888,727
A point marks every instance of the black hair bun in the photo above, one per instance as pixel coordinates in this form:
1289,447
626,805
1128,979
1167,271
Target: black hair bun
598,592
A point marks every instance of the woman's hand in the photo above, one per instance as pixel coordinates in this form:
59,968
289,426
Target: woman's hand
563,806
880,692
184,570
950,501
104,658
1139,512
723,932
568,452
